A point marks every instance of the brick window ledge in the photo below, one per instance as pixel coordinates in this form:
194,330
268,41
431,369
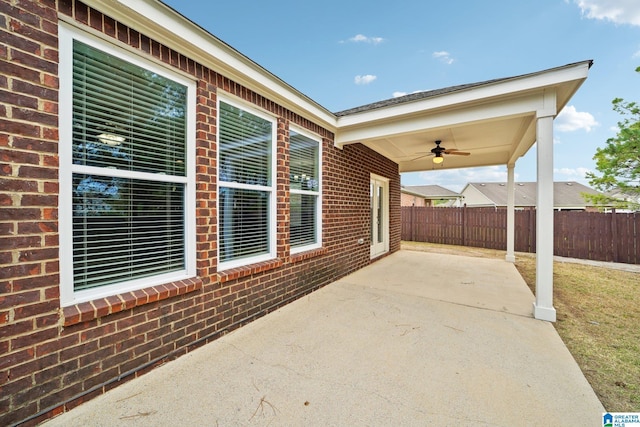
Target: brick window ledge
248,270
261,267
94,309
302,256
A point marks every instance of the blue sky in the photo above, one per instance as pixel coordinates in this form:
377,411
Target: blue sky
347,53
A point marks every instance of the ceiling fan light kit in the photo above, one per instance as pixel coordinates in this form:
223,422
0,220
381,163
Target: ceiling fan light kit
438,153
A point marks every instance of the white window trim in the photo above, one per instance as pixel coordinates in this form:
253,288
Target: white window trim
318,194
68,33
272,190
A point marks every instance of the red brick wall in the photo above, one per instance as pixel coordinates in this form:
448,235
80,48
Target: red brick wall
53,359
411,200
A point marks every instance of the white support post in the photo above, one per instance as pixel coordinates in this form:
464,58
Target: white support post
543,307
511,229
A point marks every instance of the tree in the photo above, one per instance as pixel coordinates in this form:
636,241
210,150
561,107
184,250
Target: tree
619,160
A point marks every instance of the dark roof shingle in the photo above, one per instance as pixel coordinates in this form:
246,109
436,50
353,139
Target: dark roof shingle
437,92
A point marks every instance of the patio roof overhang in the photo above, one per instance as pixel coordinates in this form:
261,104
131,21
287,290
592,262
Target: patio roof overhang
495,120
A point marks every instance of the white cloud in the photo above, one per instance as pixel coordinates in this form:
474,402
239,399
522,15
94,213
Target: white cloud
456,179
364,80
636,55
616,11
398,94
570,120
360,38
443,56
570,174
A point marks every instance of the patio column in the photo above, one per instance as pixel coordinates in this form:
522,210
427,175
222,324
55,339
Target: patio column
543,307
511,231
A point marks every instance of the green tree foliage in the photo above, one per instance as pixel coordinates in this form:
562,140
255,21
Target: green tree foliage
618,162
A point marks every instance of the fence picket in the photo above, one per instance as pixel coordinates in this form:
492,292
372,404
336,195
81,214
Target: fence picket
586,235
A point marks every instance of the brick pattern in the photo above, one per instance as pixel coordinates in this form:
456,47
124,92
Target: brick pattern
52,359
411,200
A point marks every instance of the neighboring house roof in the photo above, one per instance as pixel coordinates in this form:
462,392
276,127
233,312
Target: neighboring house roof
430,191
619,194
566,194
633,200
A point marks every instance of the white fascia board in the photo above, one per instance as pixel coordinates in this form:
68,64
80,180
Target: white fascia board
526,138
577,72
506,108
159,22
427,165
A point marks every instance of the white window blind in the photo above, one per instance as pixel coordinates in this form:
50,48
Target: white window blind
304,181
245,208
129,170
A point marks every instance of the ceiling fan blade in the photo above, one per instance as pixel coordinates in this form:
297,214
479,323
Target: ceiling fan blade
420,157
457,153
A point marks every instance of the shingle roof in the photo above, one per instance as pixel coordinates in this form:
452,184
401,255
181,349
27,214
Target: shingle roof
431,191
566,194
437,92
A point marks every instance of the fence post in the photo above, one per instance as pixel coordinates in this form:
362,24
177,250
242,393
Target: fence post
614,235
532,231
413,223
464,225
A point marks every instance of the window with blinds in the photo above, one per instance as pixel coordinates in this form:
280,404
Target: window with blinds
128,171
304,182
246,211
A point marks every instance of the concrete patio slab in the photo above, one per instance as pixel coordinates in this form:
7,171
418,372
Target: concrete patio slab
414,339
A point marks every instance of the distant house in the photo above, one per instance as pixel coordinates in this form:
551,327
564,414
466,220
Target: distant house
567,195
427,195
631,199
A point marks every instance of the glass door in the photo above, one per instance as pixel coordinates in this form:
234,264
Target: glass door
379,193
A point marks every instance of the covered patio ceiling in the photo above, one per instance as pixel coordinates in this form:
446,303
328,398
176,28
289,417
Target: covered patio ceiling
495,120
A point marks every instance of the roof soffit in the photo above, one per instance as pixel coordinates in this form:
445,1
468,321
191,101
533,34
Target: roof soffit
448,114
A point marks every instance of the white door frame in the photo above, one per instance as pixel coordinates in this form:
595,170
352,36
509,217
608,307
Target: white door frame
379,196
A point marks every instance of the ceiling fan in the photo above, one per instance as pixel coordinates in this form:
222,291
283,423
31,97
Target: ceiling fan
438,151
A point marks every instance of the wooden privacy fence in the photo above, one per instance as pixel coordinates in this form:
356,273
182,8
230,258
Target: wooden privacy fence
595,236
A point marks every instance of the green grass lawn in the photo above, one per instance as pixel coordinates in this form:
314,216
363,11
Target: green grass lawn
599,321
